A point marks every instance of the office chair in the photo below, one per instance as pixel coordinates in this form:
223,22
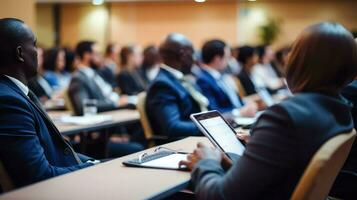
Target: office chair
323,168
6,183
148,132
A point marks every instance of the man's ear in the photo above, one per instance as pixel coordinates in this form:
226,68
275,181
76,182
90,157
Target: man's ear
20,54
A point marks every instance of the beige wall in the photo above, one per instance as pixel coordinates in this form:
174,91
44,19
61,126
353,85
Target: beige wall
147,23
44,25
83,22
295,17
22,9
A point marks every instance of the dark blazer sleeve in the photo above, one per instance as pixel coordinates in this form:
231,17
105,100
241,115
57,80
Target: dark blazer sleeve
162,103
211,95
77,93
20,148
268,155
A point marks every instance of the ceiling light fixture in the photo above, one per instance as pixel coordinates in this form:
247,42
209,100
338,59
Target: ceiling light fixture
252,0
200,1
97,2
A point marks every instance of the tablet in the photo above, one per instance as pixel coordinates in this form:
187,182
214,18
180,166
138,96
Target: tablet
219,132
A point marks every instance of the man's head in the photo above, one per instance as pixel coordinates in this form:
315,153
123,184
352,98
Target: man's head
248,57
215,54
18,53
177,51
88,53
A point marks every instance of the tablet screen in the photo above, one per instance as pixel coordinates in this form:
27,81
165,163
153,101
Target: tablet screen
217,129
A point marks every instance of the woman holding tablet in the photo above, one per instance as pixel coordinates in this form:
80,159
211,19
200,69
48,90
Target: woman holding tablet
286,136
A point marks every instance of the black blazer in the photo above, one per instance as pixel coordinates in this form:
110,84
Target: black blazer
284,139
107,74
37,88
80,88
247,83
130,82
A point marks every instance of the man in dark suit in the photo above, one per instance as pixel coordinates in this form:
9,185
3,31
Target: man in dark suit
172,98
221,94
31,147
88,84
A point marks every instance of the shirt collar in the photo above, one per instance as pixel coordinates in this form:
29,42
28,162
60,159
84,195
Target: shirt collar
214,73
19,84
176,73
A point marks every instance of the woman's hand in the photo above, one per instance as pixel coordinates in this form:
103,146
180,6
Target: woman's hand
243,135
202,152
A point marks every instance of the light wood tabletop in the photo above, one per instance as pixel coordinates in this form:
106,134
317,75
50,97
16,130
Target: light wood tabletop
112,180
119,117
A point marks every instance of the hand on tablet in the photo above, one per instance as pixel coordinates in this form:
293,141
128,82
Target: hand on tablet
201,152
243,135
249,110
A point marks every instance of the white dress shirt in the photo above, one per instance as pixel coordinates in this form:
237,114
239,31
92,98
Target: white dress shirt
19,84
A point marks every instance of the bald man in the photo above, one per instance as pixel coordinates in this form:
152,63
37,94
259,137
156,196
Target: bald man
172,97
31,147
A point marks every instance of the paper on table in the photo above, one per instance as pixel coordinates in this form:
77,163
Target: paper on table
245,120
169,162
85,120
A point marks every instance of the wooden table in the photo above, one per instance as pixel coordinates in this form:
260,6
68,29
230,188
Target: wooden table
120,118
112,180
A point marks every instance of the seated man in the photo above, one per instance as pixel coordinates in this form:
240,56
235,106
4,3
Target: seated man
31,147
221,95
88,84
171,98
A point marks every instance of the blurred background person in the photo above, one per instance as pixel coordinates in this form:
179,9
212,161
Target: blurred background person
129,79
151,64
264,72
110,64
280,61
54,63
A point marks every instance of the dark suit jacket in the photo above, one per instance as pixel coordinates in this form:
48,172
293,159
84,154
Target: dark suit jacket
80,88
107,74
218,99
130,82
169,106
346,182
247,83
284,139
37,89
31,147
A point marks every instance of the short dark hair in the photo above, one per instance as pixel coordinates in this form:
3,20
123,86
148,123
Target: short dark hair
50,58
84,47
151,56
323,59
261,50
211,49
12,34
245,52
125,53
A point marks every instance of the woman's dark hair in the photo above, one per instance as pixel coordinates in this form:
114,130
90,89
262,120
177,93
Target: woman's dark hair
323,59
151,56
70,58
50,58
245,52
261,51
125,52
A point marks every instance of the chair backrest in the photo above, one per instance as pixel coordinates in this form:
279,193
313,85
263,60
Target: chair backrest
5,180
323,168
67,102
143,117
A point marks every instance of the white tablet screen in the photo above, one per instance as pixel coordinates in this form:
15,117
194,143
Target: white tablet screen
223,135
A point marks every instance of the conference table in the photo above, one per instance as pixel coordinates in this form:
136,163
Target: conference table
112,180
120,117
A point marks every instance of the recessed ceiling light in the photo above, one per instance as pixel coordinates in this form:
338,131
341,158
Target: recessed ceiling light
97,2
200,1
252,0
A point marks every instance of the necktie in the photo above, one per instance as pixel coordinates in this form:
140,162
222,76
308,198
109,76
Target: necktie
201,100
230,92
39,106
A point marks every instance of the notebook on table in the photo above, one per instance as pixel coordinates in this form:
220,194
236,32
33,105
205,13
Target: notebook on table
160,159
